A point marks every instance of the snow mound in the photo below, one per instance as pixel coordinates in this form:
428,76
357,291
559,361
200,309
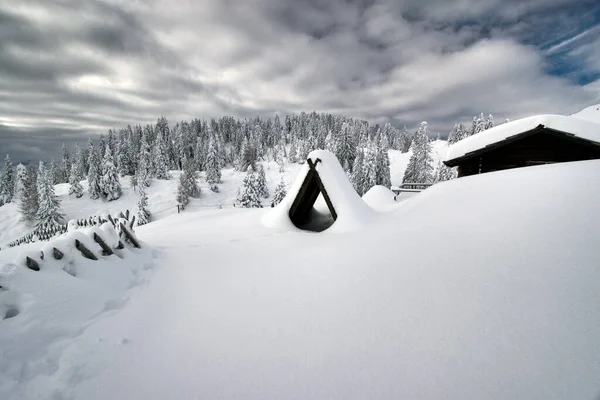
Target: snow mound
380,198
51,292
580,128
591,113
352,211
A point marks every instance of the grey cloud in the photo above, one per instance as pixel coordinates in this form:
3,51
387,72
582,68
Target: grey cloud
81,67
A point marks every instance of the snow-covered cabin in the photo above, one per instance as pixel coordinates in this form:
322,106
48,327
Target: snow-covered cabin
542,139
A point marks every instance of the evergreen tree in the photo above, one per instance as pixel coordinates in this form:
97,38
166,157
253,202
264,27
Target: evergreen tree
20,182
444,173
79,161
109,183
94,175
280,193
280,155
143,214
28,204
74,180
188,187
54,174
65,167
261,182
144,172
213,166
249,197
369,168
383,163
420,168
357,178
7,183
489,122
161,159
48,214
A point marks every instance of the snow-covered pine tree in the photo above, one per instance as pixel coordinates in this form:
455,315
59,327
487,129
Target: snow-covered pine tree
249,197
94,174
280,155
213,165
54,173
79,161
143,214
357,178
161,158
110,185
369,168
28,200
489,122
48,214
405,140
75,188
293,152
7,183
444,173
20,182
188,187
65,166
261,182
144,171
420,168
280,193
383,163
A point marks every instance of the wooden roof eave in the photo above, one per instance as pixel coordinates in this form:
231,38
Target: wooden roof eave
476,153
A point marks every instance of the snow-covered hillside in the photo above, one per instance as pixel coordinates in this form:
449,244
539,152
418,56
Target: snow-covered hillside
162,194
480,287
591,113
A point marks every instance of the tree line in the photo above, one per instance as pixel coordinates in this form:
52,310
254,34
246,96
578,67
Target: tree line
144,153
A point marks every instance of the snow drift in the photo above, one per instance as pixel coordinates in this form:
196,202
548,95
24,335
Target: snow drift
380,198
46,302
352,211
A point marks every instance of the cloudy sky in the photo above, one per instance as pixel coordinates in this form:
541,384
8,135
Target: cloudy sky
74,68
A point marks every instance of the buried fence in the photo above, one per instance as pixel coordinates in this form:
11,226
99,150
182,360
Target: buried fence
122,227
47,233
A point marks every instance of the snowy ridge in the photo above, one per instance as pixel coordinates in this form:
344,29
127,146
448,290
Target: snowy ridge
580,128
352,211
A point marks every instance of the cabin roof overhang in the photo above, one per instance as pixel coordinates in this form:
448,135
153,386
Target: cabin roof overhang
501,143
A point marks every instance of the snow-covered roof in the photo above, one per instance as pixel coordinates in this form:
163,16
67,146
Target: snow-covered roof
352,211
591,113
582,129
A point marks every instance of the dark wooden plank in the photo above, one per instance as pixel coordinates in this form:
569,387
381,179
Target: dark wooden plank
32,264
106,250
85,251
57,254
129,236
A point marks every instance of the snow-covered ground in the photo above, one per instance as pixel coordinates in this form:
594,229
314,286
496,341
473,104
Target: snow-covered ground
162,193
480,287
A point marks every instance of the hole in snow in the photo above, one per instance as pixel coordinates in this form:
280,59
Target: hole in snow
11,312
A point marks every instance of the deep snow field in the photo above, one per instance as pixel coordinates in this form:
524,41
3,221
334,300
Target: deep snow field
481,287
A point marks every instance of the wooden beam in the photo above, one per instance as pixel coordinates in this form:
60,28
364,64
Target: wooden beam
57,254
129,236
106,250
32,264
85,251
322,187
